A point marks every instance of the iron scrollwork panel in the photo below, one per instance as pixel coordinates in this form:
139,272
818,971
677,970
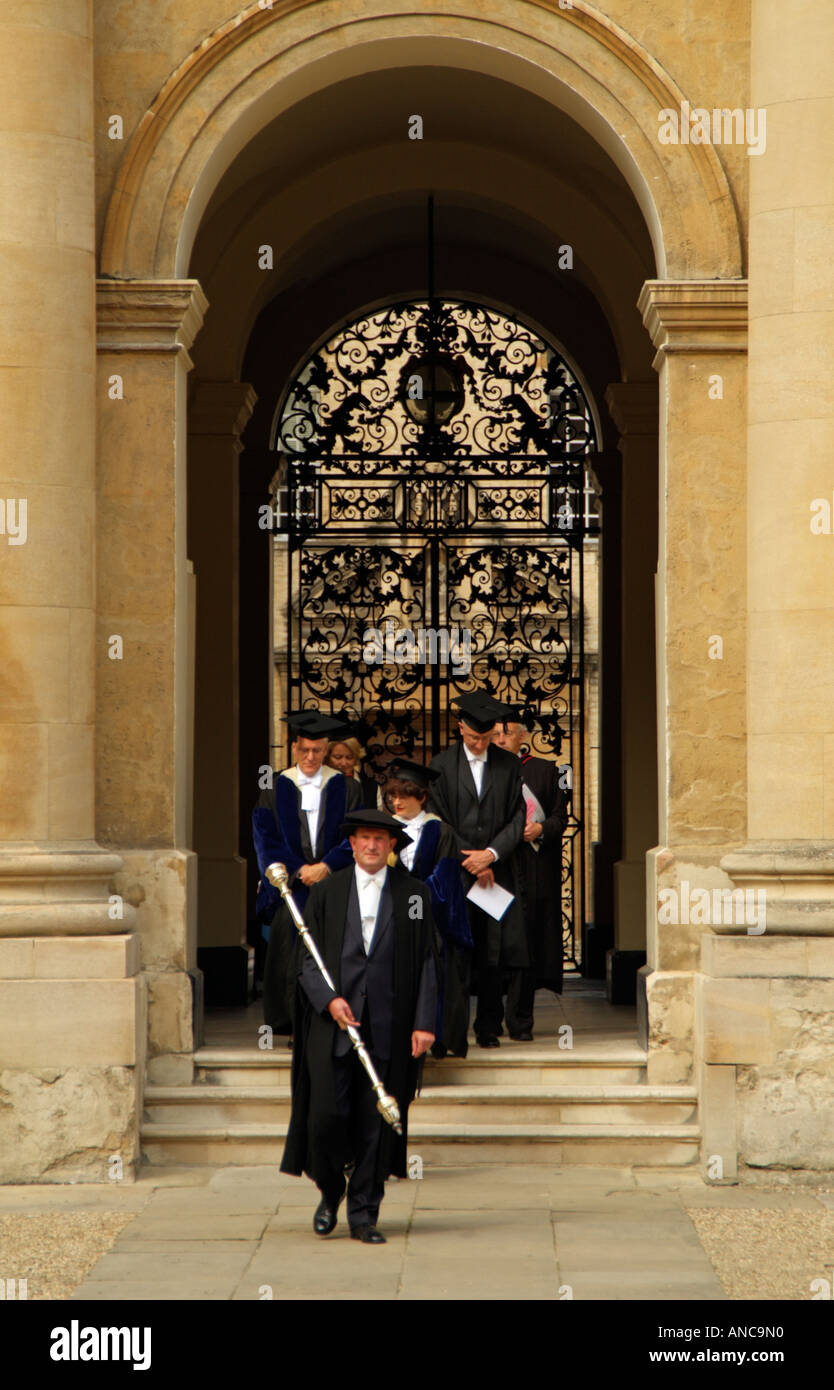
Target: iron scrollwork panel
353,601
435,379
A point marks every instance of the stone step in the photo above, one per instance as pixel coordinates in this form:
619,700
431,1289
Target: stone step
511,1064
206,1105
648,1145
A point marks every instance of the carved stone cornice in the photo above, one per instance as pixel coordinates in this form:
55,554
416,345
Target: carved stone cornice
153,316
798,879
695,315
46,891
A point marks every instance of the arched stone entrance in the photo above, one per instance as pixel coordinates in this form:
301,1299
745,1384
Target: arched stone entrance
175,272
168,152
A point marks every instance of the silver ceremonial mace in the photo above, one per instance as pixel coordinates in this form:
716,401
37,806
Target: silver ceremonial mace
385,1104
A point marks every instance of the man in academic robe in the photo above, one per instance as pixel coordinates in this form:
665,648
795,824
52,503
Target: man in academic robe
297,823
478,793
541,855
372,924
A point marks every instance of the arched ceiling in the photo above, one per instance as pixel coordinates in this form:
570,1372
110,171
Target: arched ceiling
335,182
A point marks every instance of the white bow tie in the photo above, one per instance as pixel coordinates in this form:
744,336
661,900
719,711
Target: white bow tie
305,781
376,879
476,757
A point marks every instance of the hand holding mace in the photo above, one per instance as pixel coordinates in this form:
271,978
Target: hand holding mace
385,1104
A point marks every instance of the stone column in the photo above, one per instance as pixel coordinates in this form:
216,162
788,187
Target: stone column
633,408
218,414
144,653
71,1008
699,330
769,998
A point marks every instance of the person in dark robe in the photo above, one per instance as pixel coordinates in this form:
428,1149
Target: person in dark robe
373,927
297,822
541,853
433,856
478,793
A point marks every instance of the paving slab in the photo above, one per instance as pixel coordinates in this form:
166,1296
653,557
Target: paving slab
225,1202
476,1190
658,1178
358,1272
605,1289
208,1225
265,1175
169,1265
504,1278
483,1236
156,1290
162,1249
175,1175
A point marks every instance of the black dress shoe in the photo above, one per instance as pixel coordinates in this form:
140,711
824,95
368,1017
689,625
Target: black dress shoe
369,1235
526,1036
324,1217
487,1040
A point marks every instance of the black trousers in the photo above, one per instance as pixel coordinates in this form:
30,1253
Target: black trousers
493,983
356,1101
521,991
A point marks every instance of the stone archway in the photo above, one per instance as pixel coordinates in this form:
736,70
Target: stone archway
236,81
257,64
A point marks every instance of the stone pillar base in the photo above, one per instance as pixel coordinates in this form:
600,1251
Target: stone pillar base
162,887
765,1011
671,1014
72,1042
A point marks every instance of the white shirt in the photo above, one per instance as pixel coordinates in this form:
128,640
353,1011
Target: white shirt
369,888
414,829
310,801
477,764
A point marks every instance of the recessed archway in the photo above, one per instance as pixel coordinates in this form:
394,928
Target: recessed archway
265,61
187,163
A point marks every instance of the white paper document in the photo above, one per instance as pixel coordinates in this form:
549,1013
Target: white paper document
494,900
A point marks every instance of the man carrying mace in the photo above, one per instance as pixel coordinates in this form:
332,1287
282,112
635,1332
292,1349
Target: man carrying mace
372,924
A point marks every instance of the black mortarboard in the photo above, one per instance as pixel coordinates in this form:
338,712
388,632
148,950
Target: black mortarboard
379,820
410,771
308,723
480,710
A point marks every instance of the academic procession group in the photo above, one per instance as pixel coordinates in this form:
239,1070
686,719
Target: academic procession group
420,886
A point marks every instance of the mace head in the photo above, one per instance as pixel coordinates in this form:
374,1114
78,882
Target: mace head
390,1111
277,874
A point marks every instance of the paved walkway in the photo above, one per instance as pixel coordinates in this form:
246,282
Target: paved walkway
476,1233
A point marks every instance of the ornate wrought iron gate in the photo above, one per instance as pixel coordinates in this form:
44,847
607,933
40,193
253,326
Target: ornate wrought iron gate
436,495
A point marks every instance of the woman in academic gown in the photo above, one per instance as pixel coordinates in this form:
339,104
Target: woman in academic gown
345,755
433,856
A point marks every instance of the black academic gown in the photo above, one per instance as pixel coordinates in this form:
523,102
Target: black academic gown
437,863
543,874
495,820
412,1004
